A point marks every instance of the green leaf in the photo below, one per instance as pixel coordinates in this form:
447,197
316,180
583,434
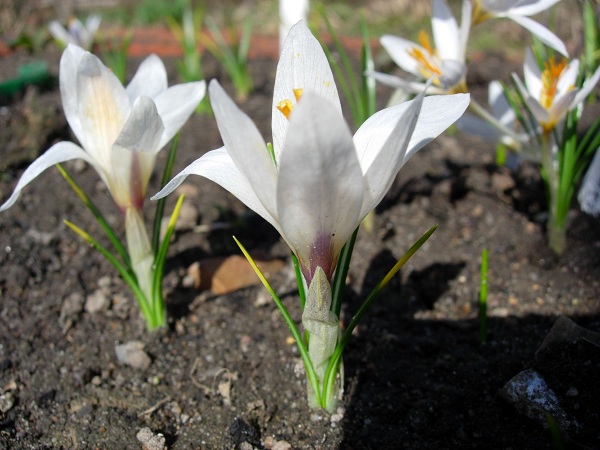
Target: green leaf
110,233
310,371
328,384
127,277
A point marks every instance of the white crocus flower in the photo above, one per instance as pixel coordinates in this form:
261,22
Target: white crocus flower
324,181
552,92
444,62
76,32
120,131
518,11
321,181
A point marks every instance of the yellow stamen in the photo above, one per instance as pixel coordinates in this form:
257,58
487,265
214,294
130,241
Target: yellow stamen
550,77
286,106
424,41
427,66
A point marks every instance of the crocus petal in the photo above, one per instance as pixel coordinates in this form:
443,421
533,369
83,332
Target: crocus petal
589,194
532,75
437,114
587,87
501,109
175,106
453,71
60,152
465,27
92,23
103,108
568,77
218,166
541,32
319,192
445,31
400,83
562,104
388,160
69,67
398,48
59,33
134,153
150,79
530,8
302,65
246,147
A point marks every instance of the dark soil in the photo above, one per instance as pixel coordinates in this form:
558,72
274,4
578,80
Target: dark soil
224,374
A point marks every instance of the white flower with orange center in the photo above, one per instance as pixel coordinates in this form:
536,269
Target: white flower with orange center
443,62
552,92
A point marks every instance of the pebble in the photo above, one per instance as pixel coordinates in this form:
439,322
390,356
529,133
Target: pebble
97,301
132,354
151,441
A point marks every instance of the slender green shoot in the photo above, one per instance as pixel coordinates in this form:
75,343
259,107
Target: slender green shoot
158,308
127,276
232,55
339,278
334,361
483,291
299,281
271,151
160,204
87,201
312,376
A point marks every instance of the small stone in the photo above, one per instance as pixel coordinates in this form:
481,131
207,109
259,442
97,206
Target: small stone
572,392
132,354
151,441
281,445
7,401
246,446
96,302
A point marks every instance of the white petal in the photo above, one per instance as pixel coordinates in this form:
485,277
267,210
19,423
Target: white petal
176,105
465,27
541,32
246,147
302,65
60,152
437,114
400,83
453,72
384,161
529,8
103,108
532,75
150,79
69,67
398,49
589,194
568,78
134,153
218,166
587,87
445,31
320,186
501,109
59,33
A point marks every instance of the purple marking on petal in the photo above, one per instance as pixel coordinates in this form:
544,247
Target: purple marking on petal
321,255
